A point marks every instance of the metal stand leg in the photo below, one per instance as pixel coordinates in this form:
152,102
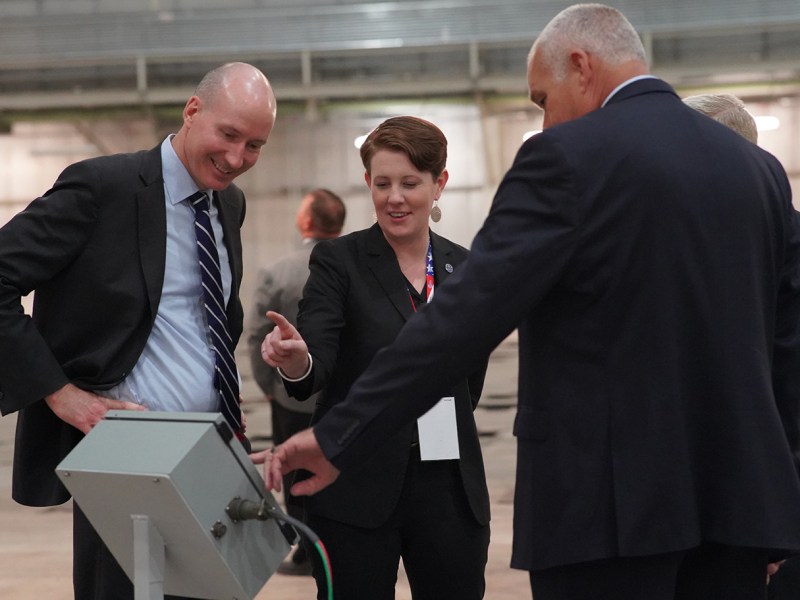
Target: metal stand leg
148,560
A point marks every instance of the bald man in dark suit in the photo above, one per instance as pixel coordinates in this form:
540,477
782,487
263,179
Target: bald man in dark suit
118,319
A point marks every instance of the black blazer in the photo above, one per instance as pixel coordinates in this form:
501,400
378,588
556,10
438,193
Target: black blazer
93,248
354,303
649,257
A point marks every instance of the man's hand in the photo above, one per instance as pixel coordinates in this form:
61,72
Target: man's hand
301,451
773,568
83,410
284,347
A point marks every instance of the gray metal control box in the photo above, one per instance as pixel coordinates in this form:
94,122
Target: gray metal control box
180,470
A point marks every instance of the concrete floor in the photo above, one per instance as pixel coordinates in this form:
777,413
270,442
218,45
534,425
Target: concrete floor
35,544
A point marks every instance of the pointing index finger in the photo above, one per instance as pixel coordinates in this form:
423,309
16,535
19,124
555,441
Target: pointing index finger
281,322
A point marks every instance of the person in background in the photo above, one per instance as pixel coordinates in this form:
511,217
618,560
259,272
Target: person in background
650,259
320,217
784,580
728,110
124,317
420,494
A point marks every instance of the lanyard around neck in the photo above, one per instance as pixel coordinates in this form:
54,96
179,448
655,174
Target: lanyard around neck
429,280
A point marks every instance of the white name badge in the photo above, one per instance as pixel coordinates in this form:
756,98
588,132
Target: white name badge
438,434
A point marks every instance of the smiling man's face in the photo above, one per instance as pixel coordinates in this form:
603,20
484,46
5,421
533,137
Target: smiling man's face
223,139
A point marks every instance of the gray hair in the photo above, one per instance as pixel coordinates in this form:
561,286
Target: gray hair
596,28
728,110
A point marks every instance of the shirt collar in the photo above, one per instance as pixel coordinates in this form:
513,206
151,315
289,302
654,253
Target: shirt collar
178,184
623,84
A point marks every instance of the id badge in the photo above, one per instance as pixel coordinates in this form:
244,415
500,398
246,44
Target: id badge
438,433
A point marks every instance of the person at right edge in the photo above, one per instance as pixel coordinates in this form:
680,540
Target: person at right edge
784,584
728,110
784,576
650,259
421,494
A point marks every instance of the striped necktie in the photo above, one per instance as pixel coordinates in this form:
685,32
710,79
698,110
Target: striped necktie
226,378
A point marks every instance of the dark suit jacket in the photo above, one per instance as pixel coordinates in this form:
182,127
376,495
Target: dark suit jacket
649,257
93,248
354,303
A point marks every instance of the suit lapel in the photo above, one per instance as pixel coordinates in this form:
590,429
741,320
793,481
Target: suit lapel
152,223
383,264
444,260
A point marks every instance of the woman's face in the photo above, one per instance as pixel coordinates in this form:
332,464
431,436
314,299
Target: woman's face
402,195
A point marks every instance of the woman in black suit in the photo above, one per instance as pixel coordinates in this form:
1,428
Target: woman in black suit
412,499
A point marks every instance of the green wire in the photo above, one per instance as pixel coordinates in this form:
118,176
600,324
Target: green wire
326,564
276,514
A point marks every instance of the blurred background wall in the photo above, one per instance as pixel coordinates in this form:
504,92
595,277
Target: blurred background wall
79,78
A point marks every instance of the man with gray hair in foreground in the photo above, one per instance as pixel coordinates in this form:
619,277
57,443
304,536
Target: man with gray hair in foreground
728,110
650,261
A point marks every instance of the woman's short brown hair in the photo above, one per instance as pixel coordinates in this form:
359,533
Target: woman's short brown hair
422,141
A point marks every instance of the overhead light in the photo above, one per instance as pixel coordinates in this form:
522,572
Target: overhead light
359,141
529,134
767,123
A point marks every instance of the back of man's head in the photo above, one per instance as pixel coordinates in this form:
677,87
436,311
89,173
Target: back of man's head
598,29
325,213
728,110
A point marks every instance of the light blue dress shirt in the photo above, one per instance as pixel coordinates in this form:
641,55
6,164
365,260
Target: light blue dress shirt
176,369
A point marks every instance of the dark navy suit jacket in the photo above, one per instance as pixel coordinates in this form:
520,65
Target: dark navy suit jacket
93,248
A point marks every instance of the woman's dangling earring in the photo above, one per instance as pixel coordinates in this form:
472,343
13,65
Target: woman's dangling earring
436,212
